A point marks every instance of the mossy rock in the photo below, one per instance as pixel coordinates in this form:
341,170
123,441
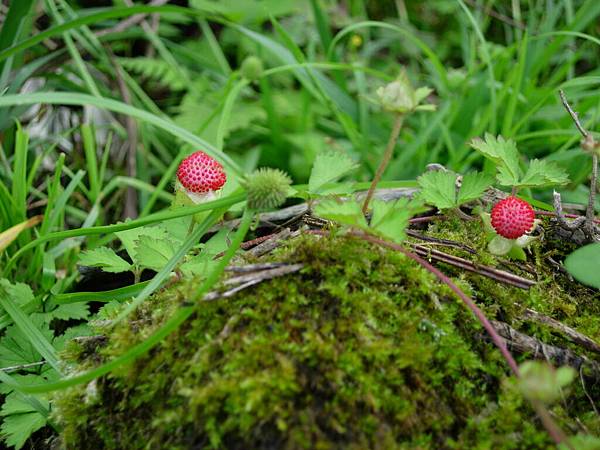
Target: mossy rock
362,349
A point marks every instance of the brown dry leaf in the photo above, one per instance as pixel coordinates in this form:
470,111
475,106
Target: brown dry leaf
8,236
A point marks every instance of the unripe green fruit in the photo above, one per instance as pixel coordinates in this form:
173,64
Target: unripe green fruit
267,188
252,68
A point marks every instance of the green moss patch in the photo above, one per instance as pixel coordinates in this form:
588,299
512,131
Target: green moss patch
361,349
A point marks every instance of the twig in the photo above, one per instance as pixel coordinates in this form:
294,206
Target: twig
387,155
129,22
487,271
589,145
572,113
250,279
447,242
553,214
572,334
522,343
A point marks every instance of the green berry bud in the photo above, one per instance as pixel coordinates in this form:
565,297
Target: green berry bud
267,188
252,68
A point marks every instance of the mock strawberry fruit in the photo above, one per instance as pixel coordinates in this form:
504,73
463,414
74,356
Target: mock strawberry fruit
512,217
201,174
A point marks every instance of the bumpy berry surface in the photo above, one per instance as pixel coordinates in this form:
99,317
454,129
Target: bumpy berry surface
512,217
200,173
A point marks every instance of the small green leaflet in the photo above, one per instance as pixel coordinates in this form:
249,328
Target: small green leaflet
583,264
505,155
473,185
19,420
439,188
152,253
390,219
329,166
105,258
16,348
129,237
345,213
503,152
543,173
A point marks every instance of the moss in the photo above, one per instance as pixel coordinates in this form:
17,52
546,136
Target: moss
362,349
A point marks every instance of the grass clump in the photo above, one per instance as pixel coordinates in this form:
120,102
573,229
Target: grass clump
366,351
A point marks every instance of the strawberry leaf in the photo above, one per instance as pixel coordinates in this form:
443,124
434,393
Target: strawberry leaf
329,166
390,219
438,188
473,185
152,253
104,258
345,213
504,154
543,173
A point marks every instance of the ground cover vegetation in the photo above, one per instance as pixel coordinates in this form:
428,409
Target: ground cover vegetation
299,224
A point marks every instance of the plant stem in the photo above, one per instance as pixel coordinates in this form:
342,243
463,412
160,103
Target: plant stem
387,155
590,213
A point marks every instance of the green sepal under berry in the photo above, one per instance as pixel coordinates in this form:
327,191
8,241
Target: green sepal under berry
267,188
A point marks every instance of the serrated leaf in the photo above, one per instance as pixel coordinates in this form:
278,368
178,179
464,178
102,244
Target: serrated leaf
153,253
473,185
502,152
176,229
129,238
20,293
345,213
16,428
67,311
543,173
583,264
438,188
16,348
390,219
104,258
329,166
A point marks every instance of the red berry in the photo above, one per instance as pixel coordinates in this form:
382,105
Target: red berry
201,173
512,217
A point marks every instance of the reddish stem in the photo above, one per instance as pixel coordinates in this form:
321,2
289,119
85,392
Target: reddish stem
553,214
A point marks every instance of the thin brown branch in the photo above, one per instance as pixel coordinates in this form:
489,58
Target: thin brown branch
487,271
130,21
572,113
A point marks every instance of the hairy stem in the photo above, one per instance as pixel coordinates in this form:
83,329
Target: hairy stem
590,213
387,155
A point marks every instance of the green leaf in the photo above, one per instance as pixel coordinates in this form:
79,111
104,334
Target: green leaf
129,238
583,264
329,166
66,312
438,188
153,253
542,382
34,332
105,258
345,213
390,219
15,347
543,173
473,185
18,427
504,154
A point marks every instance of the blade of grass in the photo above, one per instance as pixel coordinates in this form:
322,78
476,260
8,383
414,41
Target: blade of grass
69,98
